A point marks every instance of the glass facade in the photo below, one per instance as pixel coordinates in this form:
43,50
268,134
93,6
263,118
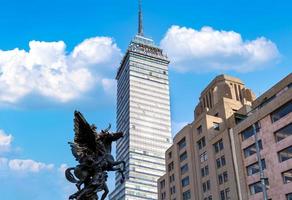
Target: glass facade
143,114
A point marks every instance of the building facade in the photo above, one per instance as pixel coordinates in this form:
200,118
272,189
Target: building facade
214,156
143,114
272,115
201,157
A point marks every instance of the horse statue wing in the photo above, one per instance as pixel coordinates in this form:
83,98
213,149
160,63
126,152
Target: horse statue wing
84,140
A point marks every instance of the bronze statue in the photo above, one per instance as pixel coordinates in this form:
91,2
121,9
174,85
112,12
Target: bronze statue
93,152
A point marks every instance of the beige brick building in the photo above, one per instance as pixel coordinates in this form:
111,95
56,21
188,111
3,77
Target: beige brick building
213,157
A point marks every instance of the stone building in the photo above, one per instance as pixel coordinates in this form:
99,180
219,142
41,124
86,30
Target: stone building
272,115
214,156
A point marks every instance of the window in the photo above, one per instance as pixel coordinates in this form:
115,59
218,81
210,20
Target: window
287,176
220,179
183,156
181,144
184,169
205,171
203,157
187,195
199,129
172,190
283,132
222,195
249,132
289,196
162,184
216,126
206,186
218,146
185,181
201,143
163,196
285,154
170,155
252,149
220,162
239,117
281,112
225,177
254,168
171,178
257,187
225,194
170,166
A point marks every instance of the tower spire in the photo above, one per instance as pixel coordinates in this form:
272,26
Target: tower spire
140,25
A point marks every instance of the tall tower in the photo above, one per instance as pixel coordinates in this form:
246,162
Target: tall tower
143,114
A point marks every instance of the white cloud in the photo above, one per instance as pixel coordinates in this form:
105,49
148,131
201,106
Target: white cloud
28,165
48,70
5,141
208,49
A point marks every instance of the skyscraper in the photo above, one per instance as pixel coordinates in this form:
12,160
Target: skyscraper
143,114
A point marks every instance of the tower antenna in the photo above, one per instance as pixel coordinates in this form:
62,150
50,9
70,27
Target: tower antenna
140,25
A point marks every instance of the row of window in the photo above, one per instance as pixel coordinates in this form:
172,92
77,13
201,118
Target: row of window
280,134
283,155
275,116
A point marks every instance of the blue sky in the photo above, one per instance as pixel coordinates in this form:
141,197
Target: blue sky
78,44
